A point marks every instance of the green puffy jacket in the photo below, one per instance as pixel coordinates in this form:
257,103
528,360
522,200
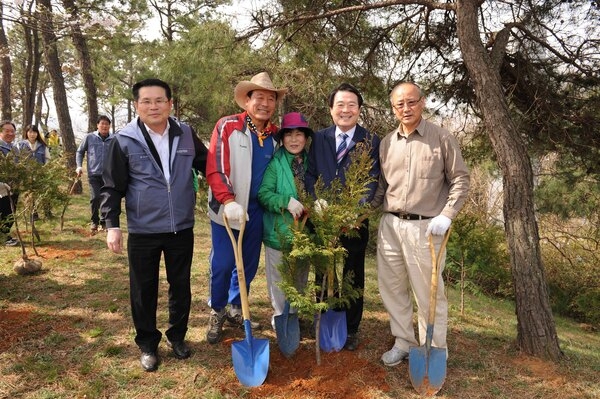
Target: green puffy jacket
277,187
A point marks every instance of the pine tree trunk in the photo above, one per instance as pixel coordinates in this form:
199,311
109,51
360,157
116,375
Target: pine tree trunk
535,323
85,62
32,69
58,84
6,68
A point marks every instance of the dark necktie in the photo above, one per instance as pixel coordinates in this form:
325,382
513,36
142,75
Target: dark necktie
341,150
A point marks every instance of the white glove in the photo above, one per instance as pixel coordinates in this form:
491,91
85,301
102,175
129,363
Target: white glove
4,190
438,225
320,205
78,171
234,211
295,207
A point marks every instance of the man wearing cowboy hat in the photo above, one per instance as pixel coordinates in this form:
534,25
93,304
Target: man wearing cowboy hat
240,149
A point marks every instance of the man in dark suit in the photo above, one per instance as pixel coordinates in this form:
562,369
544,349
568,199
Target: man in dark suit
328,159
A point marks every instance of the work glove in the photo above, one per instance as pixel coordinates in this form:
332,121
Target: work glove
234,211
319,206
4,190
438,226
295,207
79,170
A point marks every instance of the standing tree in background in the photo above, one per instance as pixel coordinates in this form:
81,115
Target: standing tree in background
177,17
31,61
85,62
6,68
535,323
58,83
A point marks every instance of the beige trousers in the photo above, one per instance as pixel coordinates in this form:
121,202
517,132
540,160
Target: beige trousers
273,258
404,263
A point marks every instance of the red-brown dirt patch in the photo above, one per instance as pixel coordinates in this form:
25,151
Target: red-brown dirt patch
540,369
338,376
66,254
14,324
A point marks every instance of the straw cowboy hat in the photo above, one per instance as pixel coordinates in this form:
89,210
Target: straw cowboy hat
262,81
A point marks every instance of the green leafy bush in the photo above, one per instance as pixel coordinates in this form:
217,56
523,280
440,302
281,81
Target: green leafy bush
477,255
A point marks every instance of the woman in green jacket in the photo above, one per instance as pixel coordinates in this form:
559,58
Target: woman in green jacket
278,196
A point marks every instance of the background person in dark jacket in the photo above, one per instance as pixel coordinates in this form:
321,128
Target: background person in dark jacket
95,145
150,163
7,138
328,159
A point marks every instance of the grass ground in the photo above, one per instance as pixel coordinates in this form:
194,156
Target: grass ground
67,333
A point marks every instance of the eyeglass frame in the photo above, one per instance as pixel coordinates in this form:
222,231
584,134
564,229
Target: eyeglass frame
409,104
159,102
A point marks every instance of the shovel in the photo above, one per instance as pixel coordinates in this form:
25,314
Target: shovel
287,328
287,325
427,364
251,356
333,331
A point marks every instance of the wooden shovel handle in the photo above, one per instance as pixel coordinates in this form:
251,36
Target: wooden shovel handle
435,260
300,225
239,264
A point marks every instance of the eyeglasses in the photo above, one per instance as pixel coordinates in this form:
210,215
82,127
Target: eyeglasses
407,104
158,102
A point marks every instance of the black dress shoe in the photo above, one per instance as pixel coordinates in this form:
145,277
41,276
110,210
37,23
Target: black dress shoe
351,342
149,361
180,349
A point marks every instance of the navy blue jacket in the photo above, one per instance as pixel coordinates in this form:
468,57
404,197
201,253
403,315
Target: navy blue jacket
39,154
322,162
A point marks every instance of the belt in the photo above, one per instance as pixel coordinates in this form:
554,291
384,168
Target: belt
410,216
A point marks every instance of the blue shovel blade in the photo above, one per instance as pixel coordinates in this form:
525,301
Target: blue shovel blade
333,331
427,371
287,328
250,359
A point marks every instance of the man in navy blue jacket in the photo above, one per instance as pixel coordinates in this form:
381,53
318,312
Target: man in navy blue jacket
328,159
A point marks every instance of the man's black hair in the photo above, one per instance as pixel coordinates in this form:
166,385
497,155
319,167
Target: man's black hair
345,87
103,118
150,82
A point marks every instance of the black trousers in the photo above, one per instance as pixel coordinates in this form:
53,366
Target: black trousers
355,264
144,252
96,183
6,214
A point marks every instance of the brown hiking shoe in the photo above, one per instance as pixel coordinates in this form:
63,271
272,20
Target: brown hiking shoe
236,319
215,326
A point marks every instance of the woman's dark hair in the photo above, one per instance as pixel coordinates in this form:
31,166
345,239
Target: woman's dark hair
34,128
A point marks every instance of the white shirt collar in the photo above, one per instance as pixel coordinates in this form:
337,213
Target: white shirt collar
339,133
